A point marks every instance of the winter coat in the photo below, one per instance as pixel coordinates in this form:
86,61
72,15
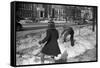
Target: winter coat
51,47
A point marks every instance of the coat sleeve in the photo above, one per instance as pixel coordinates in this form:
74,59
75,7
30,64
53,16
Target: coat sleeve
57,35
46,38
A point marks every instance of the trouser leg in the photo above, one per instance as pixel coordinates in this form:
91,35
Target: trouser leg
42,58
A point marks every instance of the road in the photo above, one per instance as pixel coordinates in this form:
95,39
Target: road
45,25
38,26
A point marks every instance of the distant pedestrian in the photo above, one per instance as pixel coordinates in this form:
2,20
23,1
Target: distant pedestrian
68,31
51,47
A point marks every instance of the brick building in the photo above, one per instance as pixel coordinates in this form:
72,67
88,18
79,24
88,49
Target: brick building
45,11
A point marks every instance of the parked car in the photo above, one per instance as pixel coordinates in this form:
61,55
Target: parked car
25,21
44,21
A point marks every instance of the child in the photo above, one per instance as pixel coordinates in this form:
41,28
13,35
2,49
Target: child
68,31
51,47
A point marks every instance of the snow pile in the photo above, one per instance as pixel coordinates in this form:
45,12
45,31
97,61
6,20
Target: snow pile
84,41
28,49
81,45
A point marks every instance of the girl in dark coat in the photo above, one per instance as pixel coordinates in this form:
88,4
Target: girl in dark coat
51,47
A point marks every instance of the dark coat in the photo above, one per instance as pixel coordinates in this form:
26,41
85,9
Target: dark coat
51,47
68,31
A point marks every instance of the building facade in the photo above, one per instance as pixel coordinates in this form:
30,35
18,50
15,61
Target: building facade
45,11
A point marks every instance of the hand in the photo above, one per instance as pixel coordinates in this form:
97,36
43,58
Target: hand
40,42
60,36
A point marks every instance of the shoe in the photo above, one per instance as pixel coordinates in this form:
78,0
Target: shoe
60,61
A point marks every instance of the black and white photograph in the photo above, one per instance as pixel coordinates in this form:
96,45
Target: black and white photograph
48,33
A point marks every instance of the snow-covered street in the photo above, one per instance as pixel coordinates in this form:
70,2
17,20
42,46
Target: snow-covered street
28,49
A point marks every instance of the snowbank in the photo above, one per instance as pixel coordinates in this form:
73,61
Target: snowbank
28,48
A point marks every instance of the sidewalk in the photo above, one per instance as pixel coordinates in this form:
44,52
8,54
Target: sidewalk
40,24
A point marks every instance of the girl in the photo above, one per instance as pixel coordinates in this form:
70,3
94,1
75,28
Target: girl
51,47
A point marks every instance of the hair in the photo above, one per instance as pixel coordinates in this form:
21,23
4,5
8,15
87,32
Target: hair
51,25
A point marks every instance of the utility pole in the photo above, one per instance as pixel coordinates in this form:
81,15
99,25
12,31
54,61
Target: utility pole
94,18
